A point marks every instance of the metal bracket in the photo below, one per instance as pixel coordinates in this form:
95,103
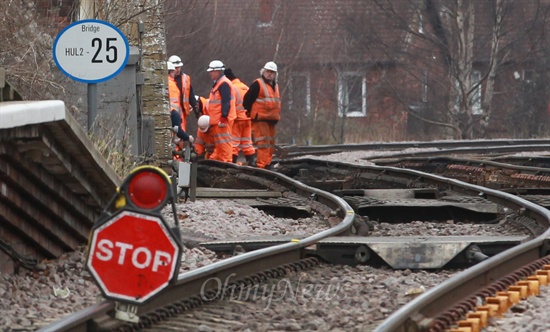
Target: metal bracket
126,312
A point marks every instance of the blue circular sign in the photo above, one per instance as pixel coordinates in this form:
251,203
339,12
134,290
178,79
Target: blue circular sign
91,51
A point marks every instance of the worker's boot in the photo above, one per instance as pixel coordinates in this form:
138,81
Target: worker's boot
235,157
251,159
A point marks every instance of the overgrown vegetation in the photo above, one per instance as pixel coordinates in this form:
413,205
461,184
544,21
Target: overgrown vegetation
28,33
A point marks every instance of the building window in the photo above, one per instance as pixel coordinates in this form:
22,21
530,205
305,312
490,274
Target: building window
352,94
476,93
300,93
267,11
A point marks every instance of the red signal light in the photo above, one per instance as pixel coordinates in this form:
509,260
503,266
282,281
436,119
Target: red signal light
147,189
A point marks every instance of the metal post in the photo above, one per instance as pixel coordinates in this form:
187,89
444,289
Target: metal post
193,183
92,105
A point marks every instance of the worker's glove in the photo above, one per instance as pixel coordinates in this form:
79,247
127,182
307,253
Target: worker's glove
223,122
191,139
176,129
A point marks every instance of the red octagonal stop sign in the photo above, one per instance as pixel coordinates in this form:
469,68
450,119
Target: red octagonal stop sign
133,256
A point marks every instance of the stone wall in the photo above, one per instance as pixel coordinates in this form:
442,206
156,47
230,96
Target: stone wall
148,33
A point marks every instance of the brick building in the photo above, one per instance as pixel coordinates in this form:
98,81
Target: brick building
354,71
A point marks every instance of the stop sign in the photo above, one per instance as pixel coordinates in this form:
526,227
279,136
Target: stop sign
133,256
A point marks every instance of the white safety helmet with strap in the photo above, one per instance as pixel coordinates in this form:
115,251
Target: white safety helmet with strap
271,66
215,65
176,60
203,123
170,65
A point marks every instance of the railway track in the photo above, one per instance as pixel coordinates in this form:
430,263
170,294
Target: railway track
420,148
338,191
346,181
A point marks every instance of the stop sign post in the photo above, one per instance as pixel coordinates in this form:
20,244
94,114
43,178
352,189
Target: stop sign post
133,256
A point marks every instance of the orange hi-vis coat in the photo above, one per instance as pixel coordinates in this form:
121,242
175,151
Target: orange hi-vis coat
204,143
266,107
185,91
204,102
241,88
175,106
215,103
242,128
268,104
223,150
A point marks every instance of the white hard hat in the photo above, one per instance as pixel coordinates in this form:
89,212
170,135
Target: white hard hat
203,123
271,66
170,65
215,65
176,60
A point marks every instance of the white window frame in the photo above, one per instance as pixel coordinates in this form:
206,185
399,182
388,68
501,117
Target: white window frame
343,99
475,95
306,93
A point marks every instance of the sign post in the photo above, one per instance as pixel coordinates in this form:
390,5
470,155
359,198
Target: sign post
91,51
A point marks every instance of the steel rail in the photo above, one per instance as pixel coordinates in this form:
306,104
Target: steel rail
197,282
193,283
466,150
418,314
469,162
421,312
295,150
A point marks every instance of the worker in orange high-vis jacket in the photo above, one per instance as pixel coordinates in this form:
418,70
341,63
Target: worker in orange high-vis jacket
222,112
263,102
202,106
187,95
242,127
204,144
178,132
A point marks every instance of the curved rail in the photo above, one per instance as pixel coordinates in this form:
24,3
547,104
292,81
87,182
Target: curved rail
422,312
461,146
193,283
196,282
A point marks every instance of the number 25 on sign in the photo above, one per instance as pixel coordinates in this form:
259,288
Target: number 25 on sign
91,51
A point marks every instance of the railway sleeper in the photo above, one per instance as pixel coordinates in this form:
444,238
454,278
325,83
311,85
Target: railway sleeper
404,252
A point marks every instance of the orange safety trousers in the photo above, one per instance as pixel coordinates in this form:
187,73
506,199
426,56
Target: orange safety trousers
242,137
263,134
204,143
223,149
